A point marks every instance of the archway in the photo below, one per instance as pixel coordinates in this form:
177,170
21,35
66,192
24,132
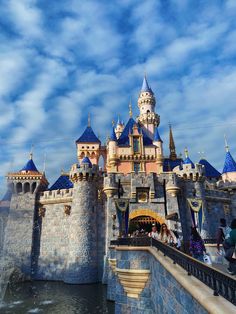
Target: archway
143,220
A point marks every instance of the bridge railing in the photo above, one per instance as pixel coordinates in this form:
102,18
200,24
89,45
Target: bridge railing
220,283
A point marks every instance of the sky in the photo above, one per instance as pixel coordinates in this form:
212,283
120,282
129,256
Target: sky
60,60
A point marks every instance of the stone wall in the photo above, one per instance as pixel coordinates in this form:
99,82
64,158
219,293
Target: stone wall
162,292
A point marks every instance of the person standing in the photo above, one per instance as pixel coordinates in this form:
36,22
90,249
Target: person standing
154,234
197,247
223,234
230,254
167,236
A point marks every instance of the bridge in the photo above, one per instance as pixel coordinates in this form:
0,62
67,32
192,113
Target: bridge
205,278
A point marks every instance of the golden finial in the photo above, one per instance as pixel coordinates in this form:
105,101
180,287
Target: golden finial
44,162
31,151
89,120
113,123
226,144
130,108
186,152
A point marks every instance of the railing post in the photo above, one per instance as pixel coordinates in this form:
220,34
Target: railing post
215,293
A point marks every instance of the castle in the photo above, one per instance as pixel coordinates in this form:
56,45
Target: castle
63,232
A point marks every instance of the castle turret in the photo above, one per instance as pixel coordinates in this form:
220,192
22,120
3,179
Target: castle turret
88,145
157,141
82,262
20,231
119,128
112,152
229,170
146,102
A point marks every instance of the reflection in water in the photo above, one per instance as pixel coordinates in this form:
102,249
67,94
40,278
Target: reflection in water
56,298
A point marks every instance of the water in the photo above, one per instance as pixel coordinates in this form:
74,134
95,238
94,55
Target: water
56,298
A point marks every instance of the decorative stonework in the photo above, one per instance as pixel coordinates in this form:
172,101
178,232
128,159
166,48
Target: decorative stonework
67,209
112,263
42,211
133,280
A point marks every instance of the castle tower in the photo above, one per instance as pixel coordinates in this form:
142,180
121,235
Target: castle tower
112,152
119,128
25,185
146,103
82,263
173,155
229,170
88,145
157,141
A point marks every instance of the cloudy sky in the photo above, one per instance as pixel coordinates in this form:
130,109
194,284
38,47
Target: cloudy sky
60,60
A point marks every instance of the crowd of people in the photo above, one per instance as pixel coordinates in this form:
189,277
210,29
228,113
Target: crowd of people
226,241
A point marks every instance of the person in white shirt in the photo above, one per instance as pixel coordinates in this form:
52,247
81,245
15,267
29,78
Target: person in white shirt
154,234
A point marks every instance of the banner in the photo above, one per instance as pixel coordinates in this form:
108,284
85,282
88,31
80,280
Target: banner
122,209
197,214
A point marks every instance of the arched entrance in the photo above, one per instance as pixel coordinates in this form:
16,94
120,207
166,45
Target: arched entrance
143,219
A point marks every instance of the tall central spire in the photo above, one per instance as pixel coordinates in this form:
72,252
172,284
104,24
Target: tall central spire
172,145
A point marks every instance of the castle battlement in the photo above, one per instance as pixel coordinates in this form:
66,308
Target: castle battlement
56,196
190,171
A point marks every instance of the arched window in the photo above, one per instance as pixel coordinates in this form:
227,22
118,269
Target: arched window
26,187
19,187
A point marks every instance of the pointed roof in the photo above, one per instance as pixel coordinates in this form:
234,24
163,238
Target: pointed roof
124,138
30,166
113,135
86,160
230,164
63,182
145,86
172,144
210,171
187,161
88,136
157,137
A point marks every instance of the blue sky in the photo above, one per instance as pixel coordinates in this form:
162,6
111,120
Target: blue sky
60,60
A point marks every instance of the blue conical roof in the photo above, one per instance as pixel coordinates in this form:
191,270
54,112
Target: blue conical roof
157,137
86,160
188,161
30,166
145,86
230,164
88,136
210,171
63,182
113,135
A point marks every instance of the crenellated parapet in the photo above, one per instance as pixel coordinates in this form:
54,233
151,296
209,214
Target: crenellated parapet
83,172
56,196
190,171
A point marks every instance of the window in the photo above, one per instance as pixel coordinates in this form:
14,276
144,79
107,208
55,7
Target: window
136,145
136,166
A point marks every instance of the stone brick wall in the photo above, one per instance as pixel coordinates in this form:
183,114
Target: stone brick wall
162,293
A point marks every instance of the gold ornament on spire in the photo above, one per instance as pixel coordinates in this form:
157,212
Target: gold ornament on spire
113,122
226,144
130,109
186,152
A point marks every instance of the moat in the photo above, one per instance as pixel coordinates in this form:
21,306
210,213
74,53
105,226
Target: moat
57,298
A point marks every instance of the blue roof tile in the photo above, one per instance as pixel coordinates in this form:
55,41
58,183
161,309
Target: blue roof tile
63,182
30,166
113,135
157,136
170,164
187,161
86,160
145,86
124,138
230,164
88,136
210,171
